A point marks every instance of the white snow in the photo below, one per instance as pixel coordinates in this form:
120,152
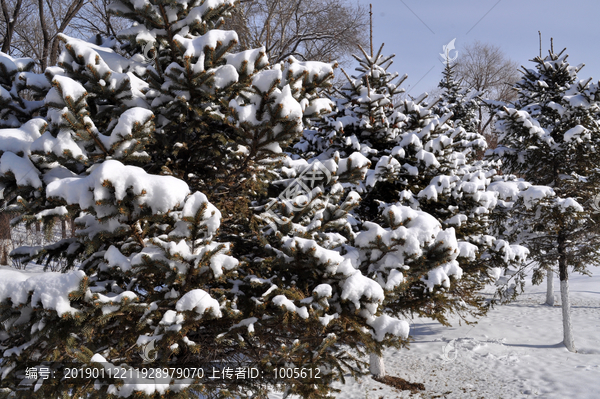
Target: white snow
534,194
416,228
577,101
25,173
428,158
224,76
115,258
14,64
323,290
508,190
59,145
331,259
566,203
249,323
357,288
69,89
282,300
211,215
290,108
356,160
514,352
557,107
199,301
51,289
326,319
19,140
127,122
467,250
385,324
395,278
107,58
245,60
575,133
440,276
161,193
314,69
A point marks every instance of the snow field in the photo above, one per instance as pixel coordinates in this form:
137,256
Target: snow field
514,352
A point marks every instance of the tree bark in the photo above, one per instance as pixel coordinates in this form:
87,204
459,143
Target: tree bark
45,35
376,366
550,288
5,238
566,311
568,339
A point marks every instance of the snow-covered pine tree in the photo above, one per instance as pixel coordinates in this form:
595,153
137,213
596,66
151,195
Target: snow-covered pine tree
21,90
153,267
21,95
147,262
354,277
460,101
550,138
222,117
419,160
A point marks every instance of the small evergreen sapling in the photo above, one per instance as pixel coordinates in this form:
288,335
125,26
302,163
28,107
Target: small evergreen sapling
550,137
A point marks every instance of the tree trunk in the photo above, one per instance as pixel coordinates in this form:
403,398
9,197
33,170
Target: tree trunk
376,366
5,238
549,288
566,311
63,228
568,339
10,21
45,36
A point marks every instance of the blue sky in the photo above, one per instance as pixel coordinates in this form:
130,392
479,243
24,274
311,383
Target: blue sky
416,32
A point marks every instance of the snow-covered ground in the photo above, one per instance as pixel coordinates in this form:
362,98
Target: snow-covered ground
514,352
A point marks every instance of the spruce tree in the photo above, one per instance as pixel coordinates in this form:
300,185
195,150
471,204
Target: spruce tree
148,267
21,96
123,147
143,249
419,158
422,161
460,101
550,137
363,282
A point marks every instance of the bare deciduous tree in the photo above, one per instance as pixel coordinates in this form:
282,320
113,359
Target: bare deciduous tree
31,27
485,68
94,19
26,30
10,16
321,30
